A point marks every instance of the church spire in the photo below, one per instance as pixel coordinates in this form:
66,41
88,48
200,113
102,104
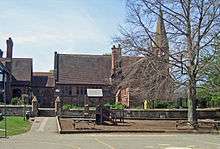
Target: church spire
161,41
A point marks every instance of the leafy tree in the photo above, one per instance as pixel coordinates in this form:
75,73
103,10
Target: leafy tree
210,89
191,28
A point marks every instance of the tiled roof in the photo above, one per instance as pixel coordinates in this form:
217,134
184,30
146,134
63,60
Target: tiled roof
21,68
86,69
43,79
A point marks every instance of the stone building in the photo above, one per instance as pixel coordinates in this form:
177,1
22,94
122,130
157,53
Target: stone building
23,81
19,82
74,74
114,74
43,85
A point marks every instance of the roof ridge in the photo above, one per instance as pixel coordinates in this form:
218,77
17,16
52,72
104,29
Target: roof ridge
22,58
84,54
100,55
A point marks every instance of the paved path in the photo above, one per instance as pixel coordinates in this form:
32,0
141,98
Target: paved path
44,125
43,135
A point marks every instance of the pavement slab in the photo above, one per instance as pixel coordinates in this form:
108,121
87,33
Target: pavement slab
43,135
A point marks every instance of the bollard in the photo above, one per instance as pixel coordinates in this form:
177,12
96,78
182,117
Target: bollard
58,106
34,107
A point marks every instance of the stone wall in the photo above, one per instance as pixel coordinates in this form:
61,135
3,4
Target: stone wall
213,113
171,113
17,110
47,112
76,113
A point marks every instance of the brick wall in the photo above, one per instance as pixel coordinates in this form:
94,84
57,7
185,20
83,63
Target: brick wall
122,96
76,94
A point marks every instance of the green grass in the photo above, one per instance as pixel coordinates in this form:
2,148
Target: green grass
15,125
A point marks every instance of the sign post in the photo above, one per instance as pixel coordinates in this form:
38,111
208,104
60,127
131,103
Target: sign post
97,93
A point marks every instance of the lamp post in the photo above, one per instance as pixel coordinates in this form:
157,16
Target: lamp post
25,100
3,80
58,103
57,92
30,94
4,73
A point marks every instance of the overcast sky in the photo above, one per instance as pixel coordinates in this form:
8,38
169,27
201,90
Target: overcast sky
40,27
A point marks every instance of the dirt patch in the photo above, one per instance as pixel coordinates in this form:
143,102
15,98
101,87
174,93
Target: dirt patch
151,125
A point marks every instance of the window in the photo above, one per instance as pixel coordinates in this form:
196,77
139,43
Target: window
77,90
106,92
62,90
81,91
70,91
85,90
73,89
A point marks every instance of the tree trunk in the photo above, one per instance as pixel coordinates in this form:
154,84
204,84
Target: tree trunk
192,104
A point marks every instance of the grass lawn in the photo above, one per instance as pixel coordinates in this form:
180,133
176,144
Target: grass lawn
15,125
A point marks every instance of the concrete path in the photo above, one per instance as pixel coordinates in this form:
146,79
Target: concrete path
43,135
44,125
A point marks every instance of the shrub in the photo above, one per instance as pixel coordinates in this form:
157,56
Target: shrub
164,104
17,101
115,105
67,106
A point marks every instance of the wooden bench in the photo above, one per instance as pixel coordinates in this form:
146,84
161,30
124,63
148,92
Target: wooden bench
201,124
209,124
89,121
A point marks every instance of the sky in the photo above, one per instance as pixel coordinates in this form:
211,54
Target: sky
38,28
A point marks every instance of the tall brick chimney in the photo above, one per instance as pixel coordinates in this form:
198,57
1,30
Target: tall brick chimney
1,53
116,58
9,43
8,64
116,72
56,66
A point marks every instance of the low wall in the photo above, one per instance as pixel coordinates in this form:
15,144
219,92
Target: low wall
210,113
171,113
17,110
213,113
49,112
76,113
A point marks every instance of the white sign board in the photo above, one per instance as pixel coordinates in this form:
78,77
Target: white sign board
94,93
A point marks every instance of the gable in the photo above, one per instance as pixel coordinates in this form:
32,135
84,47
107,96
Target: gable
22,69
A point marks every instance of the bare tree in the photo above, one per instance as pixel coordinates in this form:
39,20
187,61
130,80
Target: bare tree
191,28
